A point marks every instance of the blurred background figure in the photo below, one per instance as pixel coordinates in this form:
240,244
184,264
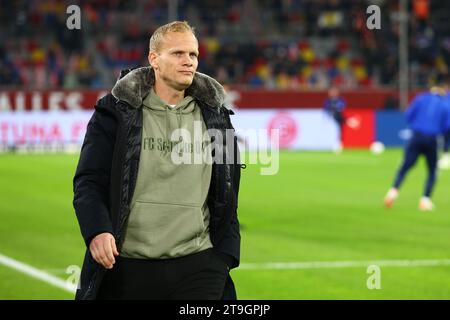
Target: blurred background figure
427,117
334,105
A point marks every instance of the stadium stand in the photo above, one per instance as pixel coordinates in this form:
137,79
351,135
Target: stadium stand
261,44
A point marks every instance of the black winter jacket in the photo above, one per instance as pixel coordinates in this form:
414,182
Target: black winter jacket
107,170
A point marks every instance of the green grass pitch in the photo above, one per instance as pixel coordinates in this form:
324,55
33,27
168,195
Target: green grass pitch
320,207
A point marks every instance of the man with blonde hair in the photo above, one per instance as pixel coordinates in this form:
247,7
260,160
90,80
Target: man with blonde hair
156,227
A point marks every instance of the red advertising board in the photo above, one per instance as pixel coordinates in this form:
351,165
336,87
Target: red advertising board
19,100
359,128
49,100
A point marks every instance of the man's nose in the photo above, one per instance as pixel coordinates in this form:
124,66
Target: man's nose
187,61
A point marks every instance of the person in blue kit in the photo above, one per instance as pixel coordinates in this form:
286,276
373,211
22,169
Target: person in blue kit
444,162
334,105
426,116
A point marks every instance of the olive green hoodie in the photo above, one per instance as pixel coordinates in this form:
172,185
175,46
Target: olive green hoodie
169,214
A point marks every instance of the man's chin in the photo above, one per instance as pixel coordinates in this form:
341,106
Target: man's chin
182,85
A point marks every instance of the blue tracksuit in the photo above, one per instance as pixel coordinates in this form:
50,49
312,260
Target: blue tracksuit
335,107
447,126
427,117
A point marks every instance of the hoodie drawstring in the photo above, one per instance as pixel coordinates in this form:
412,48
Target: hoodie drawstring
179,120
180,152
167,123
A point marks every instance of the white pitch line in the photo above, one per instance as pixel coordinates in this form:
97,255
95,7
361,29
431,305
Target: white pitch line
37,274
67,286
345,264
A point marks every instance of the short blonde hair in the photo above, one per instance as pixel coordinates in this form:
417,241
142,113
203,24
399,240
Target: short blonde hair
175,26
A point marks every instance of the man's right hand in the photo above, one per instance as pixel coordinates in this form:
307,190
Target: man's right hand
103,249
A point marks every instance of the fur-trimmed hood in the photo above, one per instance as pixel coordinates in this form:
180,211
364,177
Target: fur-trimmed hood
135,86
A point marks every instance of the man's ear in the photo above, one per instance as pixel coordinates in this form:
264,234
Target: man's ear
152,59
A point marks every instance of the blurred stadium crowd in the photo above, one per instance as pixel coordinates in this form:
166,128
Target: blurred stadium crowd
276,44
